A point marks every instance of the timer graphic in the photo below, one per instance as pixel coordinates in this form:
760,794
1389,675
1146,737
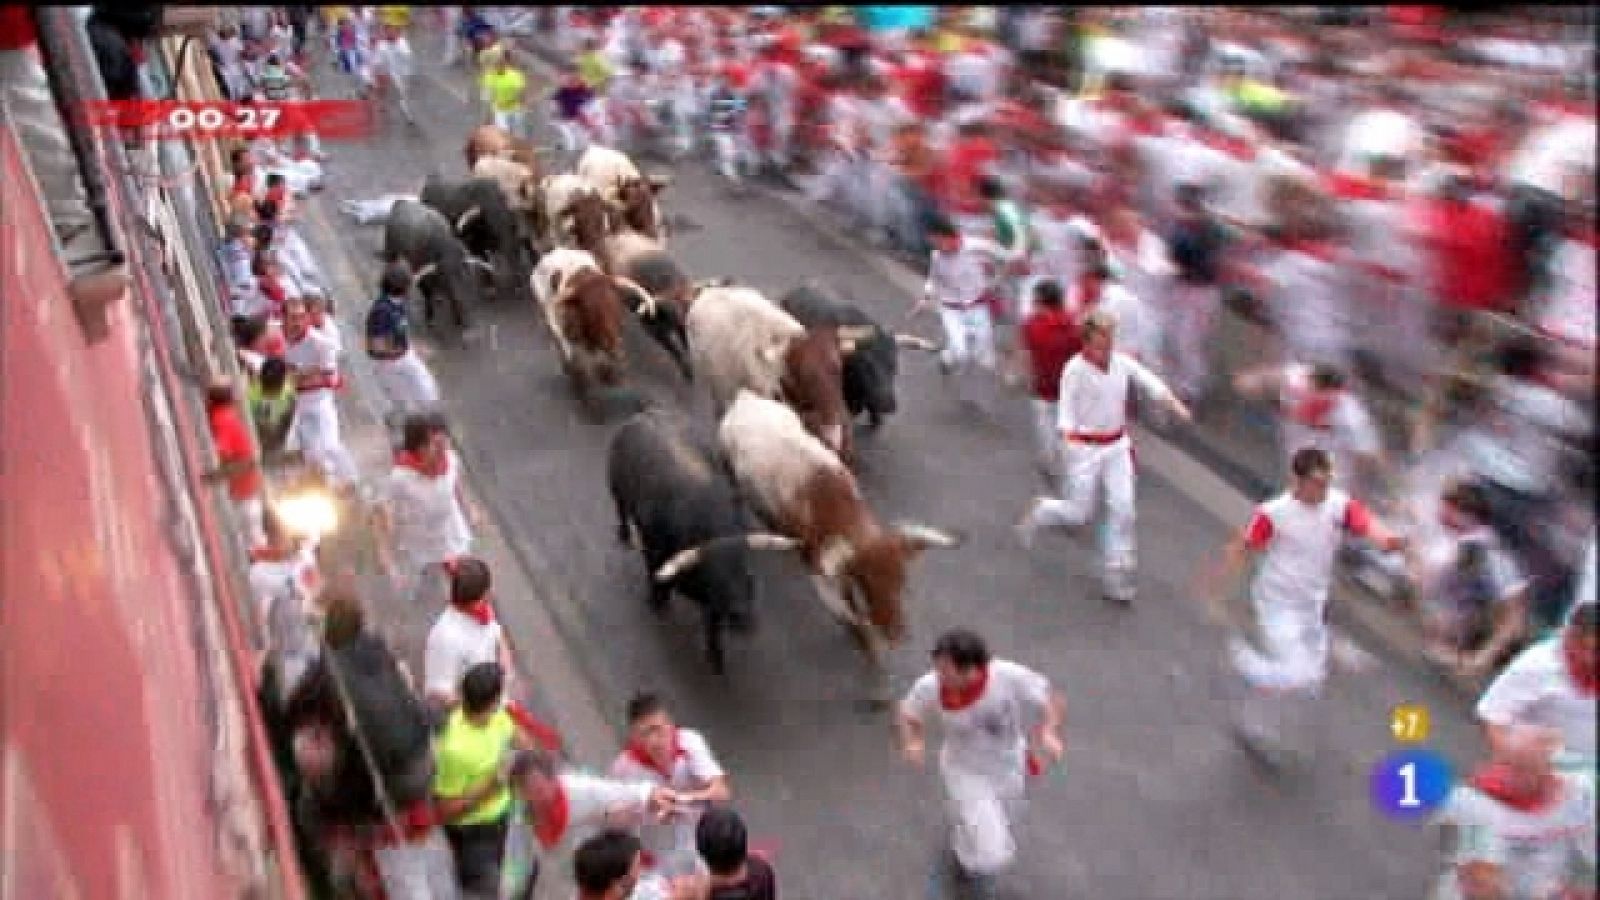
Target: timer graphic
202,119
1410,783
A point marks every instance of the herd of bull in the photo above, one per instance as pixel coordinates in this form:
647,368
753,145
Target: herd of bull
787,379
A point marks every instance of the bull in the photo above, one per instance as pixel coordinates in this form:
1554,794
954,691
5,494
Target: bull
492,140
645,262
871,366
740,340
630,196
675,505
859,564
483,218
423,238
520,185
583,307
571,204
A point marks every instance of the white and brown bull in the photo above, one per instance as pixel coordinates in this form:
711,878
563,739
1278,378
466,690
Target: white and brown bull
858,563
583,307
562,199
629,195
519,183
740,340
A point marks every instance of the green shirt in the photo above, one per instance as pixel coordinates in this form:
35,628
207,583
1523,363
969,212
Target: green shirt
465,756
1009,222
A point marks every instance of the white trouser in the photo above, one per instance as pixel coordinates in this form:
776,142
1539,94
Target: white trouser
510,120
1293,649
252,510
451,16
1046,439
407,384
1089,468
396,88
981,809
315,432
968,335
422,870
733,154
1190,311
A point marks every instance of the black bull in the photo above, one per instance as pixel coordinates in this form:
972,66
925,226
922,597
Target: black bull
675,501
870,369
483,219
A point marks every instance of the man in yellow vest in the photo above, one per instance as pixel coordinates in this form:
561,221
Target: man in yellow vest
472,757
504,89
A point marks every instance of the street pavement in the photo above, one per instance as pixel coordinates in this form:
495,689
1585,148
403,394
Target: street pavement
1154,801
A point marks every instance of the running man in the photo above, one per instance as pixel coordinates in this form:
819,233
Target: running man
407,384
504,88
1002,721
960,274
660,752
313,359
1291,544
1092,417
1554,685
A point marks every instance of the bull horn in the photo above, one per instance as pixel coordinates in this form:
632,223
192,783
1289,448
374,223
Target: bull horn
855,334
708,283
467,217
480,263
647,307
927,534
424,272
913,342
691,557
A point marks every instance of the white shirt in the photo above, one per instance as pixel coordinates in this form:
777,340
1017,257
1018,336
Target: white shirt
590,797
429,525
1298,543
672,842
990,737
1537,851
315,352
959,279
1535,689
1551,154
1343,429
456,643
393,58
1568,311
1095,400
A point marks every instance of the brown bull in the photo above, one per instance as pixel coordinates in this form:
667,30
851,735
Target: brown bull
492,140
812,384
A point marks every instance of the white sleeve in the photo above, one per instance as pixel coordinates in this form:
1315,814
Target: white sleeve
1147,380
922,701
1066,413
441,665
1510,695
703,764
1030,688
1359,430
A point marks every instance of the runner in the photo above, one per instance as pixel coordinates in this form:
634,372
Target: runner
1049,339
1291,544
503,88
314,360
999,718
1092,419
1552,684
660,752
959,274
472,795
391,69
405,379
733,872
465,634
423,516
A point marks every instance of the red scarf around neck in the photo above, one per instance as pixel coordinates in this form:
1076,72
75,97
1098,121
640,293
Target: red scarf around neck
1496,780
1581,668
554,819
641,755
481,611
1312,408
426,469
957,699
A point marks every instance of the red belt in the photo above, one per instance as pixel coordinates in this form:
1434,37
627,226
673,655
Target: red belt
329,382
1096,437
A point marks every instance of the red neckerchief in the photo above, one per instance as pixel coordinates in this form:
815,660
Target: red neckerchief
1580,668
1350,186
957,699
639,754
1237,148
426,469
1322,250
481,611
553,820
267,553
1313,407
1496,780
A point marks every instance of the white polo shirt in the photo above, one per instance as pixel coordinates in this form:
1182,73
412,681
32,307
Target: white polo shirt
1535,689
1095,400
693,767
456,643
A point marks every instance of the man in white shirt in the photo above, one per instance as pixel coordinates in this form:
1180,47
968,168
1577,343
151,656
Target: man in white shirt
1092,417
1552,684
465,634
314,359
1293,541
423,518
1317,408
660,752
960,273
391,68
1002,722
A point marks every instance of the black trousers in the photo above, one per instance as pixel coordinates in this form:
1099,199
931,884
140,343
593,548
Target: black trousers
478,849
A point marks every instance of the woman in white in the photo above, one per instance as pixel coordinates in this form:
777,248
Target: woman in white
661,753
1002,722
422,518
1092,418
1294,540
314,359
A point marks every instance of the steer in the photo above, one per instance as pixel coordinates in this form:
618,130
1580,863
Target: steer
582,306
869,370
672,495
740,340
630,195
859,564
561,195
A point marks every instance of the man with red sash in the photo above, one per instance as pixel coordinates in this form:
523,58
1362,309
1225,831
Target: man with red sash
314,358
660,752
1092,417
1002,722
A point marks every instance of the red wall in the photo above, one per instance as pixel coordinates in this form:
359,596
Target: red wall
105,757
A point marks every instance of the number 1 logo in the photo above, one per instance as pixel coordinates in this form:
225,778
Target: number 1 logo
1410,784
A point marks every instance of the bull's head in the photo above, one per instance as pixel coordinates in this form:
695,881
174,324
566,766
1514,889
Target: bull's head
636,199
874,573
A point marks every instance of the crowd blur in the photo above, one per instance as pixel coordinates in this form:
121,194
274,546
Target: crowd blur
1402,197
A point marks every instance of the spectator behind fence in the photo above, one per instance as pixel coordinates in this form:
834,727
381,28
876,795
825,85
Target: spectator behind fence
118,32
